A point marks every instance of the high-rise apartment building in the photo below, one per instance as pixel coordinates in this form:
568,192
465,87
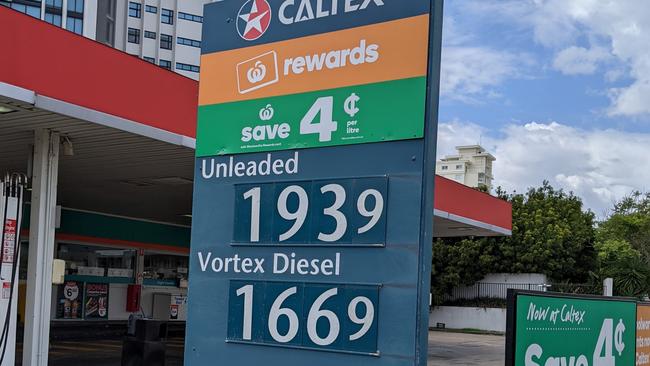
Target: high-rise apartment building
472,166
164,32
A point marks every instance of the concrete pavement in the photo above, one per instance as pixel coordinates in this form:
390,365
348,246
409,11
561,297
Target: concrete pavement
447,349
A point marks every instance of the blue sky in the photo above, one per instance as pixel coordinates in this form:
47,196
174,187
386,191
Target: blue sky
555,89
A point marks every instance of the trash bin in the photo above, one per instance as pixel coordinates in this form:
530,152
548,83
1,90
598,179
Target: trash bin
147,346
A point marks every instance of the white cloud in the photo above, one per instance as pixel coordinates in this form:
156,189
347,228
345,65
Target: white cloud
620,26
601,166
457,133
471,73
579,60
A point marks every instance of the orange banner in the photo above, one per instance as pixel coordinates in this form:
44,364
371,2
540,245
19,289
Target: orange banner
356,56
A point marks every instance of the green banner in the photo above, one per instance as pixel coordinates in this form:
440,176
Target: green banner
385,111
559,331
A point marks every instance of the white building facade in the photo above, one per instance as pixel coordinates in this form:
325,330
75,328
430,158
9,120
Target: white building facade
471,166
164,32
73,15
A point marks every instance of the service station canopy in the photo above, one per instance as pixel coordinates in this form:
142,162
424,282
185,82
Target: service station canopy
133,128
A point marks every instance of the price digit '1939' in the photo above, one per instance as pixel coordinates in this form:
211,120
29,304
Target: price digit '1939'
254,195
293,205
341,221
375,213
299,215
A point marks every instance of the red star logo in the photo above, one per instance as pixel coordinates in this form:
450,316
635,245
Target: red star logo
253,19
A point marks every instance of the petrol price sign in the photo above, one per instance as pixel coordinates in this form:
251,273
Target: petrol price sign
313,194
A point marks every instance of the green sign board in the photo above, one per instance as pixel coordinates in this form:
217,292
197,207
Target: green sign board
555,330
365,113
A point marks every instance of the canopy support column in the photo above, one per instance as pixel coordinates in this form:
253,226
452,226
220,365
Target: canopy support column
41,248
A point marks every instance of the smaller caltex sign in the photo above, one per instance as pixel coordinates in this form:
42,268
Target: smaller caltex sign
556,330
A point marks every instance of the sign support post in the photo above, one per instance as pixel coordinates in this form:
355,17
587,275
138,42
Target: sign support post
429,165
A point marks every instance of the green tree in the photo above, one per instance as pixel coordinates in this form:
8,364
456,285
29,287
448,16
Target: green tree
623,245
551,234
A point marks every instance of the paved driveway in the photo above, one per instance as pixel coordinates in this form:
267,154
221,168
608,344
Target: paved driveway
446,349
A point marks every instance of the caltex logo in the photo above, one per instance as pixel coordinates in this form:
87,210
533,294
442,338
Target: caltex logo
253,19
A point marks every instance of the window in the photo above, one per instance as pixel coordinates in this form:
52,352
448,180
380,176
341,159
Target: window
445,167
188,42
55,4
190,17
150,9
75,25
75,20
148,34
76,6
134,35
29,7
53,11
459,166
165,64
149,59
167,16
135,10
165,267
187,67
458,177
166,42
53,19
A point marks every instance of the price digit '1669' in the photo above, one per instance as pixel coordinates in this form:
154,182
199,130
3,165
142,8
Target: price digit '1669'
317,313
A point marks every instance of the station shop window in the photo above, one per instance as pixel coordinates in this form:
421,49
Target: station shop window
97,261
165,267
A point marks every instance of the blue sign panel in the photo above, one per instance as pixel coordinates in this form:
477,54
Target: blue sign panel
235,285
280,20
318,256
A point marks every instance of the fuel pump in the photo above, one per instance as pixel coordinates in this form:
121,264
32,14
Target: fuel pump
11,211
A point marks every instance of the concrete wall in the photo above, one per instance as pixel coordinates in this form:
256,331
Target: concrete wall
454,317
